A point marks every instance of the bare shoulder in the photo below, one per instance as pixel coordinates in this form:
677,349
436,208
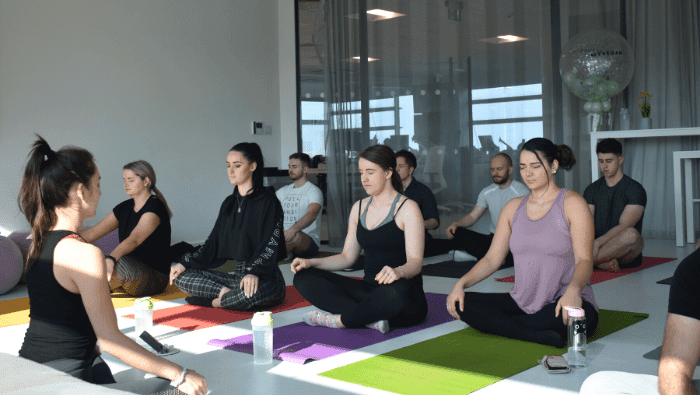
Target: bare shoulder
75,254
354,211
574,201
513,204
407,206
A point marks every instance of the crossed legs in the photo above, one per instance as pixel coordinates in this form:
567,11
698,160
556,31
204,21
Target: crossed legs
620,252
302,245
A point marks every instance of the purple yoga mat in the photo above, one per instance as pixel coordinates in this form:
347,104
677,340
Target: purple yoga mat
300,342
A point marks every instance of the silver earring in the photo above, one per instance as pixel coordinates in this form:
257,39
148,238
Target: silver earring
555,172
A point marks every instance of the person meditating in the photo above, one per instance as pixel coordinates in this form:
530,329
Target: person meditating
140,264
69,304
389,227
550,232
249,230
468,243
617,203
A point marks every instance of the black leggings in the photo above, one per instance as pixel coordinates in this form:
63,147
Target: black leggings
94,370
477,244
402,302
497,313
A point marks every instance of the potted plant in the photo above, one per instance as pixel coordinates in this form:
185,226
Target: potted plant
646,109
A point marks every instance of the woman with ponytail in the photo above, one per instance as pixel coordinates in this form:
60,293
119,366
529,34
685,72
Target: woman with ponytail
140,264
389,227
249,230
70,308
550,232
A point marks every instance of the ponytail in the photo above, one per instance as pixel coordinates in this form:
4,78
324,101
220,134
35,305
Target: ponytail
48,178
396,181
160,197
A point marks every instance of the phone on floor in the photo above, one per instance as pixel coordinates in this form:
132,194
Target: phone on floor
555,364
151,341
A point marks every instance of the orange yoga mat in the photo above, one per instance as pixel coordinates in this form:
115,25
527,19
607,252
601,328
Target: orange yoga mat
191,318
16,311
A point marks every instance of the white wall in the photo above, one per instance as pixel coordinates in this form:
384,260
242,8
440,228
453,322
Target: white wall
288,81
176,83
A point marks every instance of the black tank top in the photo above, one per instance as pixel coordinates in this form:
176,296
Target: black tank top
59,326
384,245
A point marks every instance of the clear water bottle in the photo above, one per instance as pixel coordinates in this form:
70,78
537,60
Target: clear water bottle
143,314
262,337
577,337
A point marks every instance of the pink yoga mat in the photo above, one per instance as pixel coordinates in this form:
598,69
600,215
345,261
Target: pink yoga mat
602,275
191,318
300,342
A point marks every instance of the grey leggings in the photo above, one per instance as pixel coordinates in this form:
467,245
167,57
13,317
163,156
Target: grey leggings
136,278
94,370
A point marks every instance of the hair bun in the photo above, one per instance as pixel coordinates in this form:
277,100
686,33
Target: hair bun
565,156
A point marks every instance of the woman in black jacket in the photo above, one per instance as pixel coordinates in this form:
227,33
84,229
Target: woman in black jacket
249,230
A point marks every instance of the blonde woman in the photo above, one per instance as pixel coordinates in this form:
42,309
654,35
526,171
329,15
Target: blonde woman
140,264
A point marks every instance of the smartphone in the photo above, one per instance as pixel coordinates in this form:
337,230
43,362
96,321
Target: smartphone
555,364
151,341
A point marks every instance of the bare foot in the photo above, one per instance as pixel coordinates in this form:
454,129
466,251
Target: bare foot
217,302
610,266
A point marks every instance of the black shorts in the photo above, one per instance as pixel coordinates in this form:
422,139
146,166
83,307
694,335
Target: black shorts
309,252
636,262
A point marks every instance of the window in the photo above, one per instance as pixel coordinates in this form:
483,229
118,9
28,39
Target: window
506,117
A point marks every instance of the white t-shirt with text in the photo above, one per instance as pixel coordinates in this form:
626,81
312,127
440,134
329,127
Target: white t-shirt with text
295,203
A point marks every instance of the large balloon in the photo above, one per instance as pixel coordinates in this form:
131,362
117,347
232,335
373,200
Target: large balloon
596,65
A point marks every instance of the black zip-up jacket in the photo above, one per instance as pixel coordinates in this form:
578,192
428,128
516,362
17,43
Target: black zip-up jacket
254,235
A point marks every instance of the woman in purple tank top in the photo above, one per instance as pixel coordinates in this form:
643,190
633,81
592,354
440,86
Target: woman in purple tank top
550,233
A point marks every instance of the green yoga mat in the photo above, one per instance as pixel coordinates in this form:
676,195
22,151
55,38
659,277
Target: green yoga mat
229,266
461,362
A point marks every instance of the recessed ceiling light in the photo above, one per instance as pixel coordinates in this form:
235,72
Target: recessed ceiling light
503,39
356,59
377,14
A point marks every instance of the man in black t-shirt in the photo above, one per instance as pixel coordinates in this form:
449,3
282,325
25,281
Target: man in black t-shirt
421,194
617,203
681,348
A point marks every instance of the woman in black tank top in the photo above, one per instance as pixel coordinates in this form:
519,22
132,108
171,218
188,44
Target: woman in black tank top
70,307
389,227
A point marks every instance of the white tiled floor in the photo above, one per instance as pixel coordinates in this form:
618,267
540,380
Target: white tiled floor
232,372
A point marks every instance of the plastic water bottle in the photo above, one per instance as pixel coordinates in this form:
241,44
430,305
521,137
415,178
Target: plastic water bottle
262,337
577,337
143,314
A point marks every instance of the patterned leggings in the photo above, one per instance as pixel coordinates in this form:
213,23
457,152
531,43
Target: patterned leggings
136,278
208,284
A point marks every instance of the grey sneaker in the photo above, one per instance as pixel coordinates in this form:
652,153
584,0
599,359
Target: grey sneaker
461,256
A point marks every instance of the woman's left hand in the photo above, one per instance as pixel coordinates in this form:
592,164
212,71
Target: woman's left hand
570,298
387,275
249,285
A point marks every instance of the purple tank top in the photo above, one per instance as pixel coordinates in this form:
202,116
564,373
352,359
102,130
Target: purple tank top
543,257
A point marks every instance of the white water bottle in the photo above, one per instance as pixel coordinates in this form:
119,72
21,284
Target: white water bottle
143,315
262,337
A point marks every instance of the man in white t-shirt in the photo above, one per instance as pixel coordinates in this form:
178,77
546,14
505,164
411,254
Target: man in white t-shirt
494,197
301,202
